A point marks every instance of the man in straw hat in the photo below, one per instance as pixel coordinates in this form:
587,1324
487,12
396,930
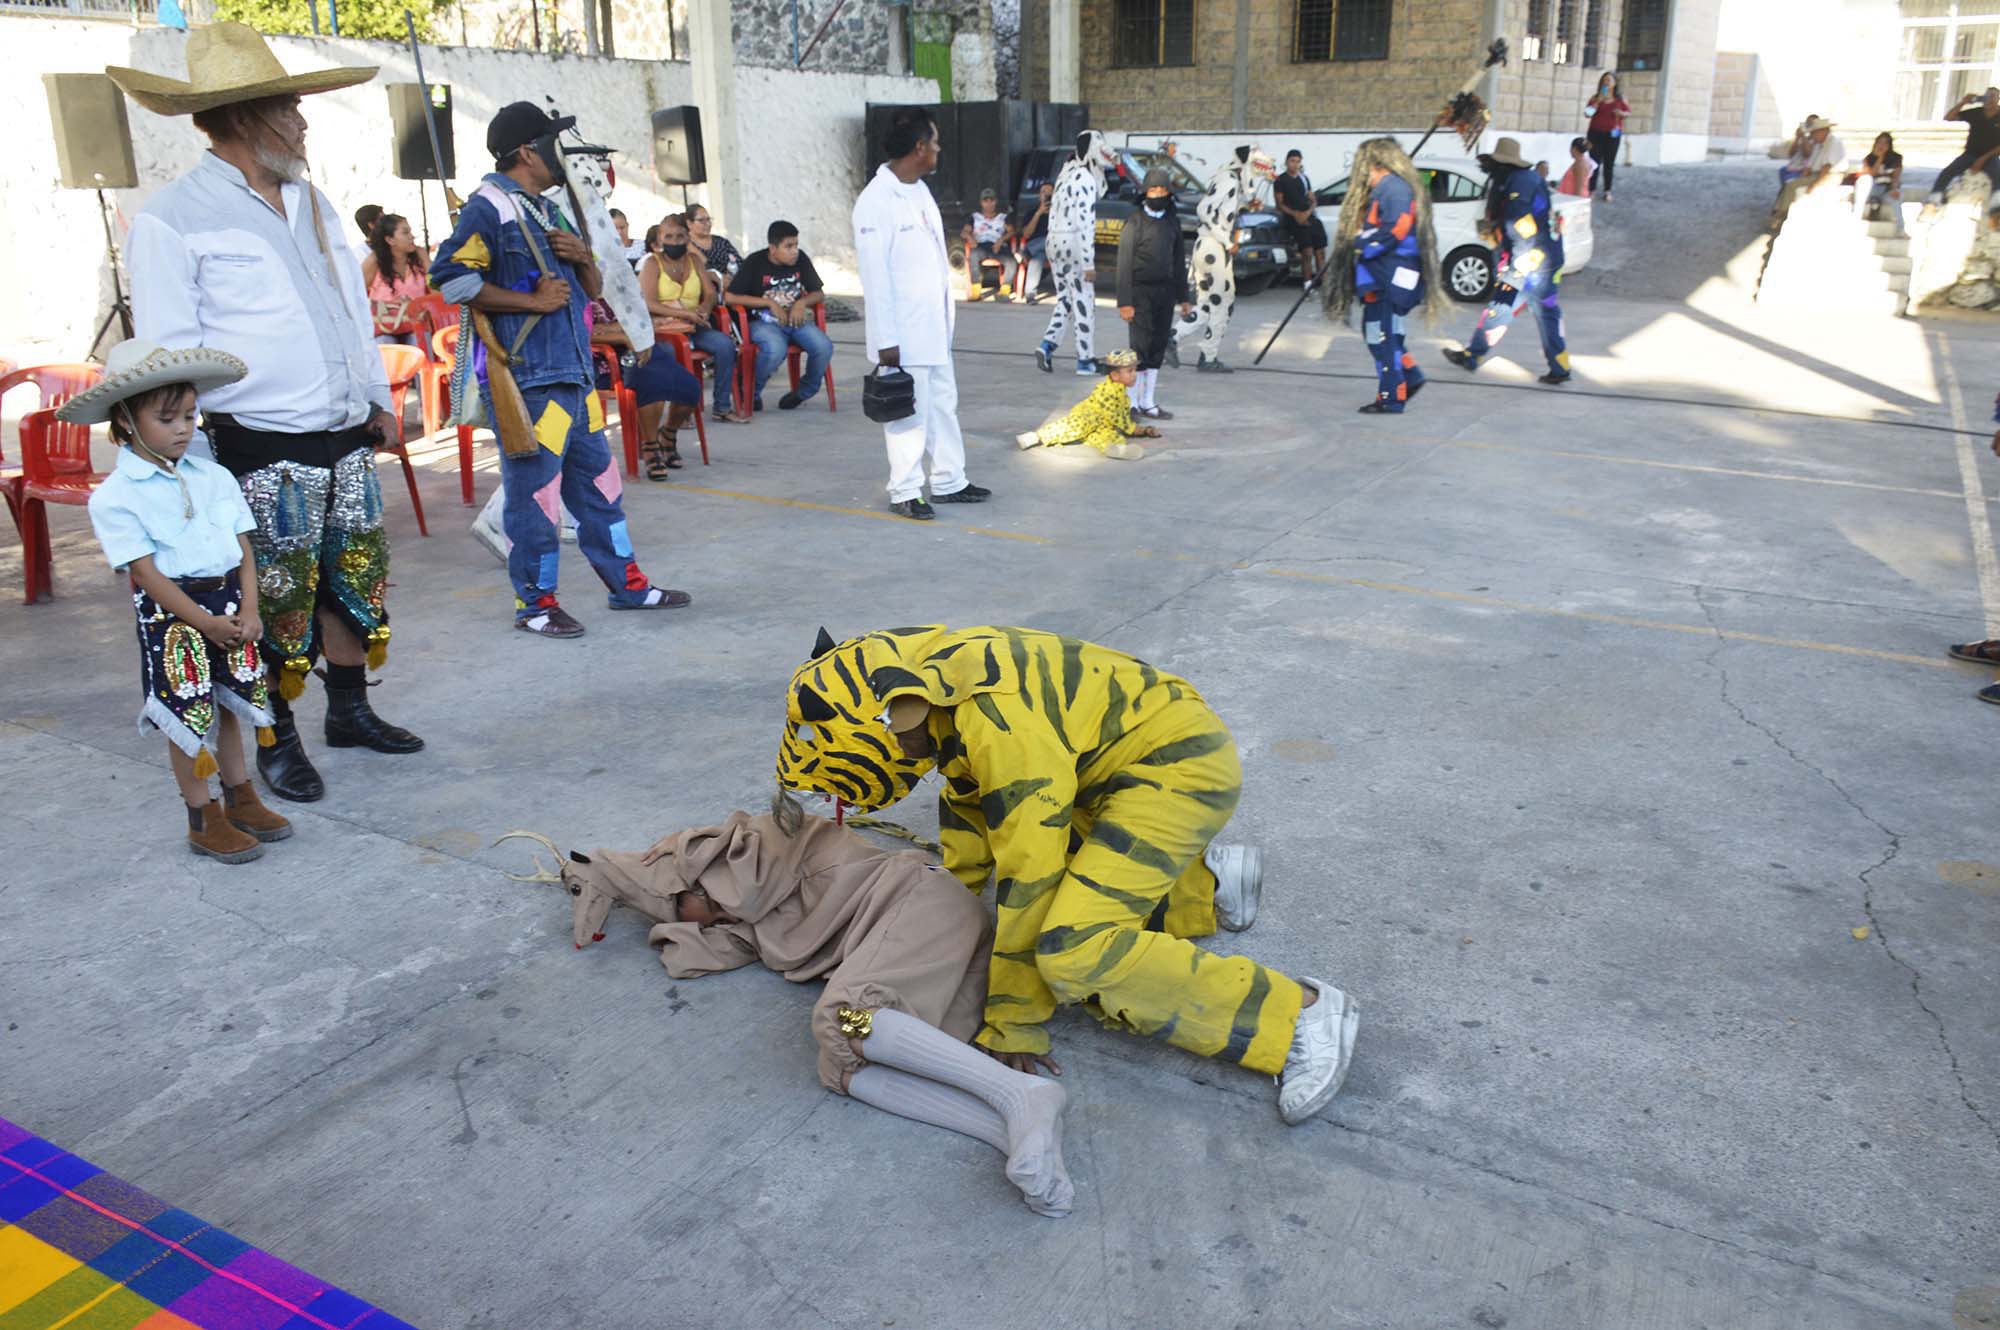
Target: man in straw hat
241,255
1816,157
1521,224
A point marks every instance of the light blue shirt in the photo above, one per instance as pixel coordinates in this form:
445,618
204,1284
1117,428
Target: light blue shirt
139,511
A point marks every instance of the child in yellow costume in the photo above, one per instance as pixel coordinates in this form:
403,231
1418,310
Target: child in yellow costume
1103,420
1089,786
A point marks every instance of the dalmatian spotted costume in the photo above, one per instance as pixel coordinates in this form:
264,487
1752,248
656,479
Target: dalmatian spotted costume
1213,271
1073,249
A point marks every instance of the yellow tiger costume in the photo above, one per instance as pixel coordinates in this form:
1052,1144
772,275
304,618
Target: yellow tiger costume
1100,420
1088,784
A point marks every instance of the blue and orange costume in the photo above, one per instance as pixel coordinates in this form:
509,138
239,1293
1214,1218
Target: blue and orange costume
502,237
1389,279
1530,256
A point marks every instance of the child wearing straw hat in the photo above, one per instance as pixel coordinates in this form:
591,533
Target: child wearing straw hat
175,524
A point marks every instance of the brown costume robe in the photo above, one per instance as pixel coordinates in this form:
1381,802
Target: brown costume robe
883,928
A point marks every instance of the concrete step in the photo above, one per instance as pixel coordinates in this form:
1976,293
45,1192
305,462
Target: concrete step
1882,230
1894,247
1901,264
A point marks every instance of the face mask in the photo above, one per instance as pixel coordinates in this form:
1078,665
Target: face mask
550,152
1156,207
674,251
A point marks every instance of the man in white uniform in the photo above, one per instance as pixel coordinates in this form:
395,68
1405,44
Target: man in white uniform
906,289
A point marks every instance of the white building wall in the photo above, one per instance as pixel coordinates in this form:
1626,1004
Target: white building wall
802,150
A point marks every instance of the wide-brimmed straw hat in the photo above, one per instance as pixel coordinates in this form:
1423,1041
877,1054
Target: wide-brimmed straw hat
1507,152
228,63
135,366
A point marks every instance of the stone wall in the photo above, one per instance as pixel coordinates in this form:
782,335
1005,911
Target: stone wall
801,152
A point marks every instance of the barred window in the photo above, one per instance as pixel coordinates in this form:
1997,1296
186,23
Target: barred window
1152,32
1535,39
1642,43
1559,52
1593,30
1312,30
1361,30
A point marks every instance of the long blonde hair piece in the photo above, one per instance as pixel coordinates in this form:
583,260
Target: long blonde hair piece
1389,155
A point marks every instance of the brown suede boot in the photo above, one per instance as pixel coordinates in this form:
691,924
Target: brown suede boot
248,813
210,833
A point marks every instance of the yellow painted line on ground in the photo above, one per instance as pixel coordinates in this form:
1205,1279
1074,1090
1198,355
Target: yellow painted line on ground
1396,588
1622,620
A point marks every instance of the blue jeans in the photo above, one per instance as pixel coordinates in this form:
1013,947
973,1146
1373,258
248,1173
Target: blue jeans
571,469
1537,290
773,341
721,348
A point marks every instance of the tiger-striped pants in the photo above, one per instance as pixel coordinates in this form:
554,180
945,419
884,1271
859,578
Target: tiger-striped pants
1172,786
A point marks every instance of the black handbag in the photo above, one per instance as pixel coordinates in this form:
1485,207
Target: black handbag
888,394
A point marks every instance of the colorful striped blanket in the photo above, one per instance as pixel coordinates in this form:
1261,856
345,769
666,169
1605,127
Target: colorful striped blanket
83,1250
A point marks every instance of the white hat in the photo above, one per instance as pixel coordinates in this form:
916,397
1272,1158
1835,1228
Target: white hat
135,366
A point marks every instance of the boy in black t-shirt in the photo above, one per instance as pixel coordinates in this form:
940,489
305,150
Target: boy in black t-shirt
780,287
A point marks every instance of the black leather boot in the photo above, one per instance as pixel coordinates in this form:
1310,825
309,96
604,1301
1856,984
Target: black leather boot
352,723
284,765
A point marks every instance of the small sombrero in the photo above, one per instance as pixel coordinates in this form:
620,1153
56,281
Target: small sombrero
1118,360
228,63
135,366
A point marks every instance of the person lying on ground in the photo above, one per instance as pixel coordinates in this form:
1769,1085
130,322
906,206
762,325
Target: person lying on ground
1103,420
903,948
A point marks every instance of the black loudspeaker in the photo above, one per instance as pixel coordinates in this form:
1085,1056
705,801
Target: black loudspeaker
678,158
93,137
410,136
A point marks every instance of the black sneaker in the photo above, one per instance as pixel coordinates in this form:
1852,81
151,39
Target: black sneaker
1460,359
550,621
970,494
789,402
914,509
1378,407
1552,377
1045,358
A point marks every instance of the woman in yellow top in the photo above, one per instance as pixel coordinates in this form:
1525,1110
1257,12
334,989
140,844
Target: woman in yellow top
1103,420
683,296
1089,787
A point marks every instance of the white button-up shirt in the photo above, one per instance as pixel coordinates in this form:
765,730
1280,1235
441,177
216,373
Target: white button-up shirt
214,264
905,271
139,510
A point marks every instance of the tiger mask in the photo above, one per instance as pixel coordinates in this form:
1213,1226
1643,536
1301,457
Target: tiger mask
845,737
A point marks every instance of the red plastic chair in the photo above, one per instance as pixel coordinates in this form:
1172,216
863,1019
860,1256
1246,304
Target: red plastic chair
53,385
404,365
691,361
444,347
746,360
56,459
624,399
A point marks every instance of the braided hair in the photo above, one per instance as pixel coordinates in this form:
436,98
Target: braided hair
1389,155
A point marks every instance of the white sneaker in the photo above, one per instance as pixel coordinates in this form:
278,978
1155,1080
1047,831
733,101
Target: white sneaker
1239,883
1322,1048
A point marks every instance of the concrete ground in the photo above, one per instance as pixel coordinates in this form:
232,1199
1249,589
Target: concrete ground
1601,741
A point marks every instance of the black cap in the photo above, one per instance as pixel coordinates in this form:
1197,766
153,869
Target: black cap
519,123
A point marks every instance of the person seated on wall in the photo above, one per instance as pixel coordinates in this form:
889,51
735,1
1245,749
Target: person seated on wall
986,235
780,287
1816,158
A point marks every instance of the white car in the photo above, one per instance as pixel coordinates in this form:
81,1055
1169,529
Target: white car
1458,201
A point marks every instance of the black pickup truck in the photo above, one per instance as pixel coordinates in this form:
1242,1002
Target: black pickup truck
1260,261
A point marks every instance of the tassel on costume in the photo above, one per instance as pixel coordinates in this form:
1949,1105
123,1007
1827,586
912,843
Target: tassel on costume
204,765
266,737
292,678
378,647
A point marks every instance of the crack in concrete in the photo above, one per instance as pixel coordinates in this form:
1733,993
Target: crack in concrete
1894,847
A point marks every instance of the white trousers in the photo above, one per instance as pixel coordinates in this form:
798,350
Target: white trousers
932,432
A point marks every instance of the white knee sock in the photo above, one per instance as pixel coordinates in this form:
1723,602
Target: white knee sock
1147,378
1030,1106
1136,394
923,1100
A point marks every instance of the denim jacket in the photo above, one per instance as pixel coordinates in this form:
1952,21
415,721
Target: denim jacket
491,243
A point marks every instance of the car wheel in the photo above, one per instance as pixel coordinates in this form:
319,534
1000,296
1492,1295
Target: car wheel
1468,274
1250,286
